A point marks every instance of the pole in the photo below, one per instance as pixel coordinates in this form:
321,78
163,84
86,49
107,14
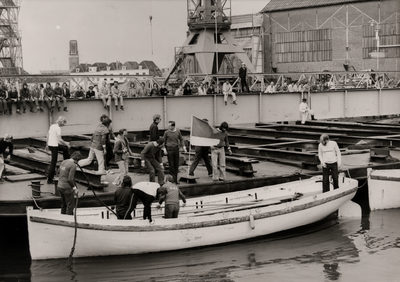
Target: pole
216,49
151,33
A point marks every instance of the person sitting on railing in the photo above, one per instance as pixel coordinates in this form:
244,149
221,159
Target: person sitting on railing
48,95
90,94
291,87
201,90
66,91
13,97
36,98
3,99
227,90
117,95
132,92
59,96
379,83
142,91
79,94
179,91
195,89
271,88
163,90
104,95
24,94
314,87
285,87
211,88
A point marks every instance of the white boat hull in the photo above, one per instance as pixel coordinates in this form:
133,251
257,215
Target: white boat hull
384,189
51,235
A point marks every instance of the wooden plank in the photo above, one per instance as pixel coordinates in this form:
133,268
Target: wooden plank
82,143
25,177
16,170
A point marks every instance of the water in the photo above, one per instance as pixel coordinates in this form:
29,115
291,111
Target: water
341,250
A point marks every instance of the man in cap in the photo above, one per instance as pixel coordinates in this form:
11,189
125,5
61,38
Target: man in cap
242,76
4,144
90,94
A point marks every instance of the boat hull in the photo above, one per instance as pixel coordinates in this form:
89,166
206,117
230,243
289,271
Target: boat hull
384,189
51,235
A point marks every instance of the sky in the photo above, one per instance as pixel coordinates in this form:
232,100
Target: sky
106,30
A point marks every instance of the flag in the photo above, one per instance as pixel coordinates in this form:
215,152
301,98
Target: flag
202,134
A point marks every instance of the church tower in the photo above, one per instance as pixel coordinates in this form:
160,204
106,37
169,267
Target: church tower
73,55
209,39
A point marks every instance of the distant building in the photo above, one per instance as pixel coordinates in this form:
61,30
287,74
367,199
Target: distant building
73,55
152,67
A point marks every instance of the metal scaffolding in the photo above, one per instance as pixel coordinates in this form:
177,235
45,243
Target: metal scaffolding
10,39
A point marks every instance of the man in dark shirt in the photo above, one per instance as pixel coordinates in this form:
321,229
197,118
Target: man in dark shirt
151,158
66,183
218,152
242,75
4,144
123,198
154,134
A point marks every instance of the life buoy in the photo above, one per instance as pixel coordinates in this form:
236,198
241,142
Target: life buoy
252,222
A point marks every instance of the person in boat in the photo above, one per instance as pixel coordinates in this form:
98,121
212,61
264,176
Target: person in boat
173,140
122,151
218,152
53,142
123,199
171,194
151,158
66,183
117,95
201,152
305,111
331,159
5,143
145,192
98,146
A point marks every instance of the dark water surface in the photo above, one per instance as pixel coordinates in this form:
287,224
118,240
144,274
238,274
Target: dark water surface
365,250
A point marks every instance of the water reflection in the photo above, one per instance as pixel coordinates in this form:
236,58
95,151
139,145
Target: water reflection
336,251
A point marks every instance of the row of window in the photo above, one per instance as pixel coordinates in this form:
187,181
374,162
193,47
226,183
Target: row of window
384,29
324,45
383,40
304,56
303,36
392,52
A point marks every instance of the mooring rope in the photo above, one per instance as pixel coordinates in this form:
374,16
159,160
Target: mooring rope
69,261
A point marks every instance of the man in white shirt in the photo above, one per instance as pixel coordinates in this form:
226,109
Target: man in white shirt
202,90
227,90
331,159
271,88
305,111
53,141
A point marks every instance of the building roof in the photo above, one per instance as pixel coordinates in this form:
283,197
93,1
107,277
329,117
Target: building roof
131,65
282,5
150,65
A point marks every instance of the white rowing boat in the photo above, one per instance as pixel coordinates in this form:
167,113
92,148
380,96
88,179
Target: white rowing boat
383,189
204,221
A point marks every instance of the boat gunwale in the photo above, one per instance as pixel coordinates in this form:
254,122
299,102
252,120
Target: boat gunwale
282,209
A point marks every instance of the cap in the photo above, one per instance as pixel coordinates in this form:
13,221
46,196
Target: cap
304,100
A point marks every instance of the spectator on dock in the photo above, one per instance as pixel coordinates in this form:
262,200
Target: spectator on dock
151,158
59,96
173,140
98,147
218,152
5,143
48,96
36,98
201,152
142,91
105,95
3,99
154,133
285,87
132,92
96,91
123,197
163,90
90,94
379,83
243,77
121,152
187,90
227,90
66,91
13,98
271,88
331,160
171,194
55,143
202,90
305,111
66,183
211,88
117,96
179,91
79,94
24,95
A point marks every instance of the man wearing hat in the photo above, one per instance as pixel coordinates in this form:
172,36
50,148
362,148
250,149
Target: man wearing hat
305,111
242,76
90,94
4,144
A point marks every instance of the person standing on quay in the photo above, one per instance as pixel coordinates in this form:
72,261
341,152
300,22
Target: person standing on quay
305,111
66,183
151,158
121,151
331,159
201,152
218,152
154,134
173,140
243,77
53,142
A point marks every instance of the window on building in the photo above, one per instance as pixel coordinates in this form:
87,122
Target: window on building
304,46
389,34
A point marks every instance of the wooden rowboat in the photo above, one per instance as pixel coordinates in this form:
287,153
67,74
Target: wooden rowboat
204,221
383,188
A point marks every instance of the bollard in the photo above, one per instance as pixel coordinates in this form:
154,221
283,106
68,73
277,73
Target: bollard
36,188
56,191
